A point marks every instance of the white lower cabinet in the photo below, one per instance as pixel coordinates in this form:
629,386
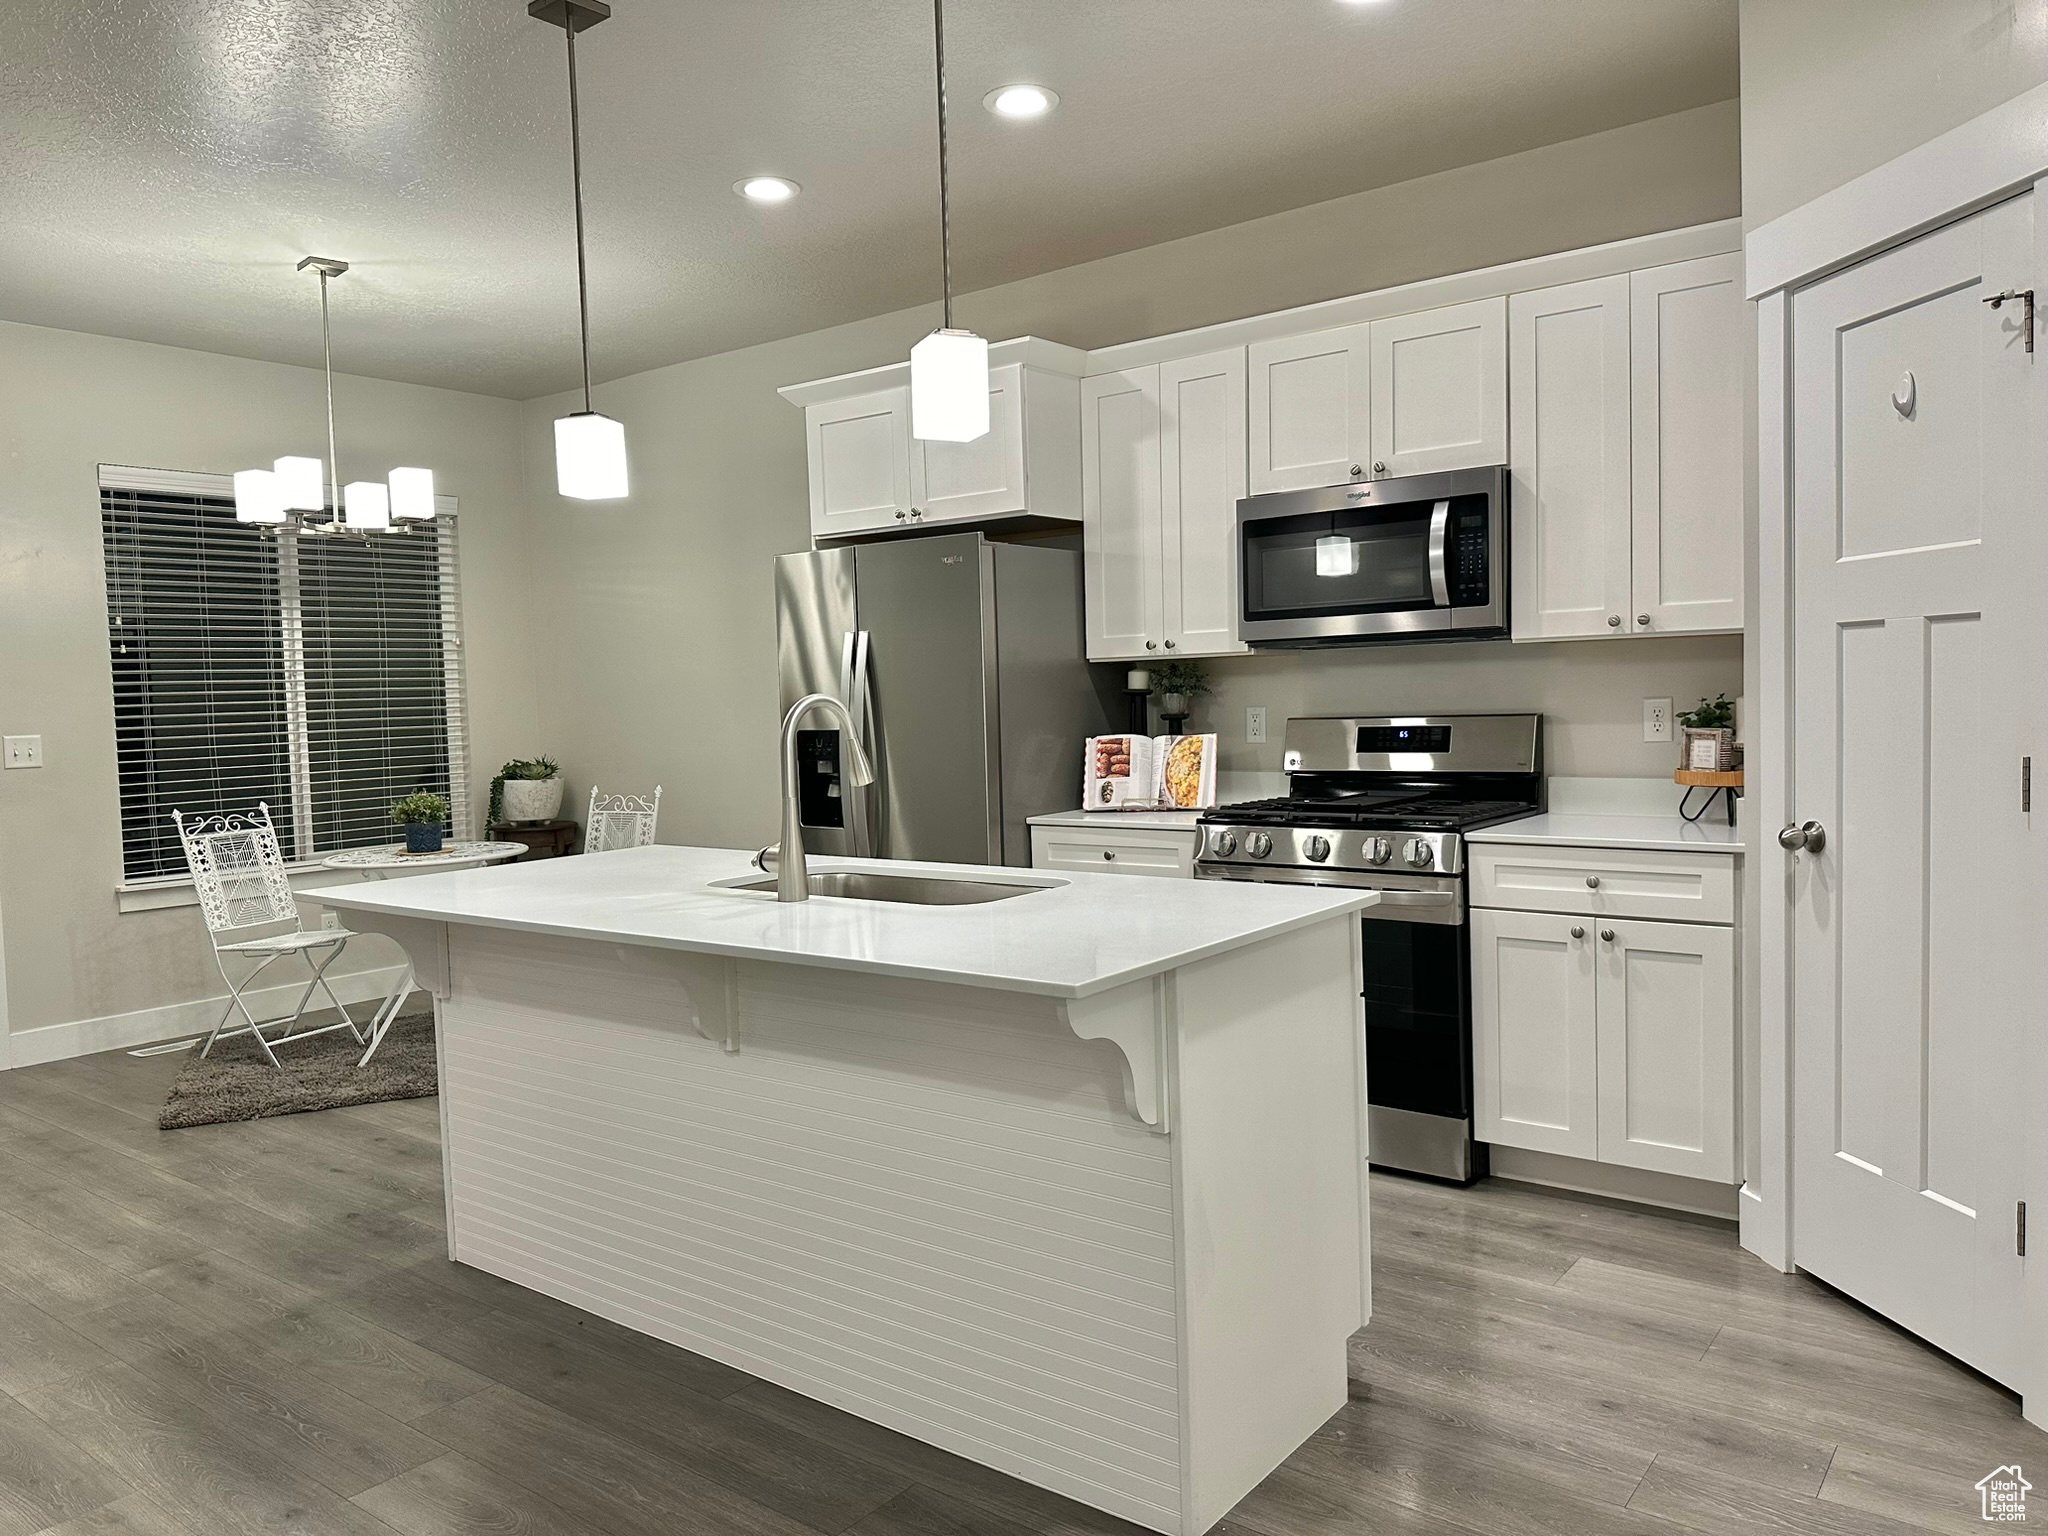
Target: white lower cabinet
1606,1038
1163,851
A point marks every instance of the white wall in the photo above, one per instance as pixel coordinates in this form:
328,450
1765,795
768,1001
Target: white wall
658,658
1834,88
70,402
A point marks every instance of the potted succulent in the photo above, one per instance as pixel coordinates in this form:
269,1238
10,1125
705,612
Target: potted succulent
1177,684
1709,736
423,815
527,789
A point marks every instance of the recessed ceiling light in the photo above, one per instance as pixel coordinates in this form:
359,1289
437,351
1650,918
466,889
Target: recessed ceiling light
767,189
1021,101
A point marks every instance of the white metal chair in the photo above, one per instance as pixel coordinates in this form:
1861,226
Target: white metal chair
239,872
620,821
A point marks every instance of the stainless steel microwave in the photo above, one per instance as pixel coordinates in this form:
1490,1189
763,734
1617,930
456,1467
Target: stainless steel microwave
1422,557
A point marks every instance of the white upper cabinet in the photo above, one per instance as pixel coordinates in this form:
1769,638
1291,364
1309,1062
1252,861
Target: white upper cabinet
1440,389
1311,410
1627,449
1689,355
1202,479
1120,513
868,474
1568,489
860,462
1163,468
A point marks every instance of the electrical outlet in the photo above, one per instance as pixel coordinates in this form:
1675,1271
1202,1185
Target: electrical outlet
1255,723
329,918
24,751
1656,719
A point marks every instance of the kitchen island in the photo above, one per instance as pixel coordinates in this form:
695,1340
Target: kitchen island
1069,1182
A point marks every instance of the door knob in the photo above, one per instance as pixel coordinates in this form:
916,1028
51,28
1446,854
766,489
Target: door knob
1809,835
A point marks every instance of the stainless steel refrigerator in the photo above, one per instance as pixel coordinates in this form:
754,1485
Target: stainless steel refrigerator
964,663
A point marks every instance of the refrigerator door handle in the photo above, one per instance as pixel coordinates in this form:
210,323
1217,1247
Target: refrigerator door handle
853,692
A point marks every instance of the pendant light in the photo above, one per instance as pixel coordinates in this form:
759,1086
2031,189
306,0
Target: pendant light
949,368
294,483
590,449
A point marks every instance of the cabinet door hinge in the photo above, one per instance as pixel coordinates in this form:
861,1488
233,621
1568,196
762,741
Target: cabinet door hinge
2026,784
2020,1230
2026,297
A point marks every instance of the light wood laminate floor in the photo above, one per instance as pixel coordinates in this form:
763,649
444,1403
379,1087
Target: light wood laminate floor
253,1329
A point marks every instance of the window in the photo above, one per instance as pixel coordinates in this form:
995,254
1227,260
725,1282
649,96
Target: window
322,675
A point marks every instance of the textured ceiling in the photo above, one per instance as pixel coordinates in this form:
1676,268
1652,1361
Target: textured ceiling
164,163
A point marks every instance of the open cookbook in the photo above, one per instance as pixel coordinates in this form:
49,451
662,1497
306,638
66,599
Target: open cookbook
1149,773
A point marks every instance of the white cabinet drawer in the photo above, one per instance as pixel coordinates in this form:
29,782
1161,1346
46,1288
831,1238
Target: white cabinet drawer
1134,852
1604,882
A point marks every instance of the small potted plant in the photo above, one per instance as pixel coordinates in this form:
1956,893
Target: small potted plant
1177,684
1709,736
527,789
423,815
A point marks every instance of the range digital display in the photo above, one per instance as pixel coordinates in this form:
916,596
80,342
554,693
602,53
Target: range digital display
1404,738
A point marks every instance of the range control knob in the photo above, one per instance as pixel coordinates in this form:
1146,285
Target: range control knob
1420,855
1378,850
1225,844
1317,848
1258,845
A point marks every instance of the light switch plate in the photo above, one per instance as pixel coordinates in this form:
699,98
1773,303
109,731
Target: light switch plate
1656,719
22,751
1255,723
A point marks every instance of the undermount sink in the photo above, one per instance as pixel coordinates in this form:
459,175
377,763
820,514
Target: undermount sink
916,890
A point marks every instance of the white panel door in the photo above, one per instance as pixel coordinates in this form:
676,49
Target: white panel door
1666,1003
1568,460
1914,421
1440,389
1201,481
1120,514
1689,353
1534,1038
860,462
984,478
1311,410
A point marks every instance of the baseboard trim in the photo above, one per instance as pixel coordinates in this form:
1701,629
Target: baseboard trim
145,1026
1671,1191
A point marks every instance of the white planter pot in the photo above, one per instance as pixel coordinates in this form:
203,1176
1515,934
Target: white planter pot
532,799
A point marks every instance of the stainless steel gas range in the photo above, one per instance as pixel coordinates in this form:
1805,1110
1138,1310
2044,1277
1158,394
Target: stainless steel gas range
1383,802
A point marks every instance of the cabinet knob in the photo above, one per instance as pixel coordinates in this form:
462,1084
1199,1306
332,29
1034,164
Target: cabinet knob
1109,853
1169,645
1578,932
1379,467
1357,470
1613,619
1592,882
1642,618
1606,935
916,515
1151,645
901,514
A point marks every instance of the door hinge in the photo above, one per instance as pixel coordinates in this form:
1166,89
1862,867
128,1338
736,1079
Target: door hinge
2026,784
2026,297
2020,1230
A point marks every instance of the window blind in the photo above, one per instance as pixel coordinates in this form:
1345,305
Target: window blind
321,674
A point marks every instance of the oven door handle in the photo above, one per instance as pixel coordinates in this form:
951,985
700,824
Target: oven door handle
1439,554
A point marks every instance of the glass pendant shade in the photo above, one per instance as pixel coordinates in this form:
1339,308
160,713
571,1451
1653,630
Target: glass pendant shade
302,482
258,498
949,388
590,457
1336,556
366,505
412,494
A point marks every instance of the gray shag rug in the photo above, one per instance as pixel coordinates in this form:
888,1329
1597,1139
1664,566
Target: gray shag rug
236,1083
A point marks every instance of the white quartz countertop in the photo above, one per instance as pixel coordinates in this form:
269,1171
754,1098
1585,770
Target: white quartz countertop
1137,821
1711,834
1079,935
